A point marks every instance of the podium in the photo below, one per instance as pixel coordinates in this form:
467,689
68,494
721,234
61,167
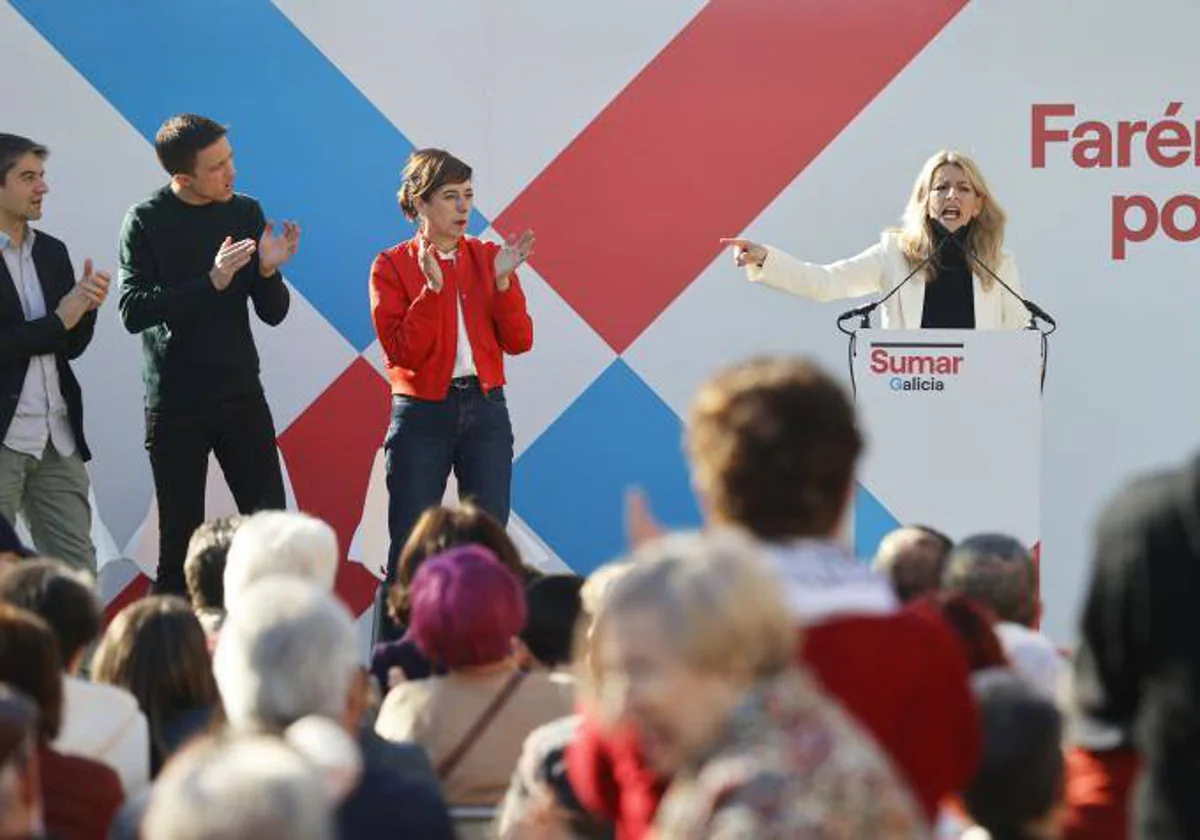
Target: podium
953,427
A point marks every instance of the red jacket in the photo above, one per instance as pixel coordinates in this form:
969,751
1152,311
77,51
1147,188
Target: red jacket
418,328
900,672
80,797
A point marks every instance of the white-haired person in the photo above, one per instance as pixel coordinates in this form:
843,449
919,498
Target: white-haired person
280,542
289,650
952,217
757,749
251,787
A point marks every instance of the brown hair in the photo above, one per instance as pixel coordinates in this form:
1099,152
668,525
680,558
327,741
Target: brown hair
441,528
773,445
155,649
181,138
30,663
204,565
426,172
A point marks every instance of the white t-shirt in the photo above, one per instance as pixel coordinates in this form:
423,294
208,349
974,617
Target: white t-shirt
464,359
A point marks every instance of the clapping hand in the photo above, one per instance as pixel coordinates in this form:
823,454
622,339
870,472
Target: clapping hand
94,284
746,252
230,259
88,294
429,264
276,249
514,252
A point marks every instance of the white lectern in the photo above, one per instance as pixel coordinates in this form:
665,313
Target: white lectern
953,425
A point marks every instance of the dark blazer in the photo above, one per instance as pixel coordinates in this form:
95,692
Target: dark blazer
21,340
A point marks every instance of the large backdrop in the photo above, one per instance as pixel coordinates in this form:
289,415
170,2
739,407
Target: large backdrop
631,135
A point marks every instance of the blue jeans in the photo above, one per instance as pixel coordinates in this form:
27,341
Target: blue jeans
469,432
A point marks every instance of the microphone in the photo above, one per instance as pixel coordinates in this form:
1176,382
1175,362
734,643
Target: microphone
866,310
1034,310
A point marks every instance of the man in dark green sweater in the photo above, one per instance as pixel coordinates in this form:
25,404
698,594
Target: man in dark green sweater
192,256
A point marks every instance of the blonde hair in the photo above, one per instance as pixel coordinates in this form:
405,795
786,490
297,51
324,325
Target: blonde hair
720,607
987,230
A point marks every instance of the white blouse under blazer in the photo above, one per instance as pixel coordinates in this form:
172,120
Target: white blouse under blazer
876,271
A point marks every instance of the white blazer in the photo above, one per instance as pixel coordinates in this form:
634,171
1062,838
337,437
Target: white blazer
876,271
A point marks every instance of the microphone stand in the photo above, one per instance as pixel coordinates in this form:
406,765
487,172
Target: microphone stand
864,312
1036,313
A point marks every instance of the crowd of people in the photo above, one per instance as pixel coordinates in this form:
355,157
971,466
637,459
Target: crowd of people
752,679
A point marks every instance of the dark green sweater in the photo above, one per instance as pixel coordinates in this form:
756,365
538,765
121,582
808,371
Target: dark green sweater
196,342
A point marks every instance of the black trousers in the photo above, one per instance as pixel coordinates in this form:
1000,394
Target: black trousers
241,433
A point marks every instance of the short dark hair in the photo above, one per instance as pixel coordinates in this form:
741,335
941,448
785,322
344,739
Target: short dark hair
181,138
773,445
1021,776
12,148
52,590
997,571
30,663
204,566
552,613
427,171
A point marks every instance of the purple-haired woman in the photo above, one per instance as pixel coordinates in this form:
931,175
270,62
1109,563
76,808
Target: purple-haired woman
465,611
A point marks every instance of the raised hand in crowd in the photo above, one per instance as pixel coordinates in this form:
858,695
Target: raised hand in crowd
641,526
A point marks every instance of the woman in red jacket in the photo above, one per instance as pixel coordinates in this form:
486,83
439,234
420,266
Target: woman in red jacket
447,307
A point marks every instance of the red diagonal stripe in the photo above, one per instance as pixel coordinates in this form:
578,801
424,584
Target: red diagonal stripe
329,450
724,118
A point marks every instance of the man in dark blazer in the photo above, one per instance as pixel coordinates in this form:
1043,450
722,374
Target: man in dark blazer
46,319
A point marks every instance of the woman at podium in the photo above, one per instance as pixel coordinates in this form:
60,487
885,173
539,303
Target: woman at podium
933,270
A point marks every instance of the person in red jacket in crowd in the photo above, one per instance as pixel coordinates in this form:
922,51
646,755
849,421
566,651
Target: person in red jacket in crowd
773,446
447,307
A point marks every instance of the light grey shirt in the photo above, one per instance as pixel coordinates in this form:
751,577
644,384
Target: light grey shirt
41,414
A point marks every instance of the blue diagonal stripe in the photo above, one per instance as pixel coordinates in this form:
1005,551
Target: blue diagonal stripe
570,484
872,522
308,143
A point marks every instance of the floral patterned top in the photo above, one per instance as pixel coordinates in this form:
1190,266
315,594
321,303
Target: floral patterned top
790,764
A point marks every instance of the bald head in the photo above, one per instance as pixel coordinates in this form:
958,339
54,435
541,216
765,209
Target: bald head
912,559
998,571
